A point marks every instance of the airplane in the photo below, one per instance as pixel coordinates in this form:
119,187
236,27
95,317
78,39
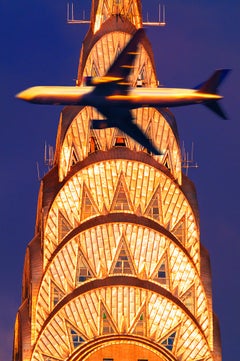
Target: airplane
114,98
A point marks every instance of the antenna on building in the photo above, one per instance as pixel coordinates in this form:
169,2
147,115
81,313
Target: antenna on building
48,155
188,161
71,18
161,17
38,171
48,161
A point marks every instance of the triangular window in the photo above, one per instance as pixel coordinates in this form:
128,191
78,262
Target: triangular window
123,263
75,337
83,271
94,70
179,230
169,341
154,207
131,12
64,227
93,144
162,275
106,322
119,139
88,208
56,294
149,134
188,299
74,156
105,11
139,328
167,161
142,77
120,201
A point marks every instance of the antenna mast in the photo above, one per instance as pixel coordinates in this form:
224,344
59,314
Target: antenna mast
188,162
161,17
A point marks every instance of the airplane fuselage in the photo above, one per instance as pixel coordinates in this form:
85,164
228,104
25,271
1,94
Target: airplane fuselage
134,97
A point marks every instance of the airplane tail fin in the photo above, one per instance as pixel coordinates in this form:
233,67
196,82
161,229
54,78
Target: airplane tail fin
211,86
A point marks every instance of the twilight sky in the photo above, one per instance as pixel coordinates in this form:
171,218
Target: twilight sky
39,48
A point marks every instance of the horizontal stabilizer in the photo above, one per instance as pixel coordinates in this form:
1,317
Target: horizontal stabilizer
215,107
211,85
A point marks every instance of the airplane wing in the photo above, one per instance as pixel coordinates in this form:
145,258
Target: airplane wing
122,119
115,80
123,65
117,117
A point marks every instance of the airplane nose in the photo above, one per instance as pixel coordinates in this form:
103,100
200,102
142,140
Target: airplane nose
23,95
26,95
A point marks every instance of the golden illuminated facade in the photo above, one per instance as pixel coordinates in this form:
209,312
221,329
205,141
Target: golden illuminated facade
116,270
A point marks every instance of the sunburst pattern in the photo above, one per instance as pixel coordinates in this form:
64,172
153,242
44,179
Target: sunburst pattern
121,308
142,184
143,248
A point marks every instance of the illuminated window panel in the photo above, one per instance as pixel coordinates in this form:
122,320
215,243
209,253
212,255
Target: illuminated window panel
83,271
88,207
73,157
154,209
123,264
179,230
56,294
140,326
106,325
120,201
167,161
75,337
189,299
142,76
93,144
162,274
64,226
169,341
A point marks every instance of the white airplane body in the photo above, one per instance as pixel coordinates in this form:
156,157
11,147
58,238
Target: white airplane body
114,98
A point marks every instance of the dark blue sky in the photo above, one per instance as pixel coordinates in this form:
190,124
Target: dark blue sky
38,47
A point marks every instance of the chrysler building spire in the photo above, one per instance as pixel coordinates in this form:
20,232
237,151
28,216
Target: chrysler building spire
116,269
